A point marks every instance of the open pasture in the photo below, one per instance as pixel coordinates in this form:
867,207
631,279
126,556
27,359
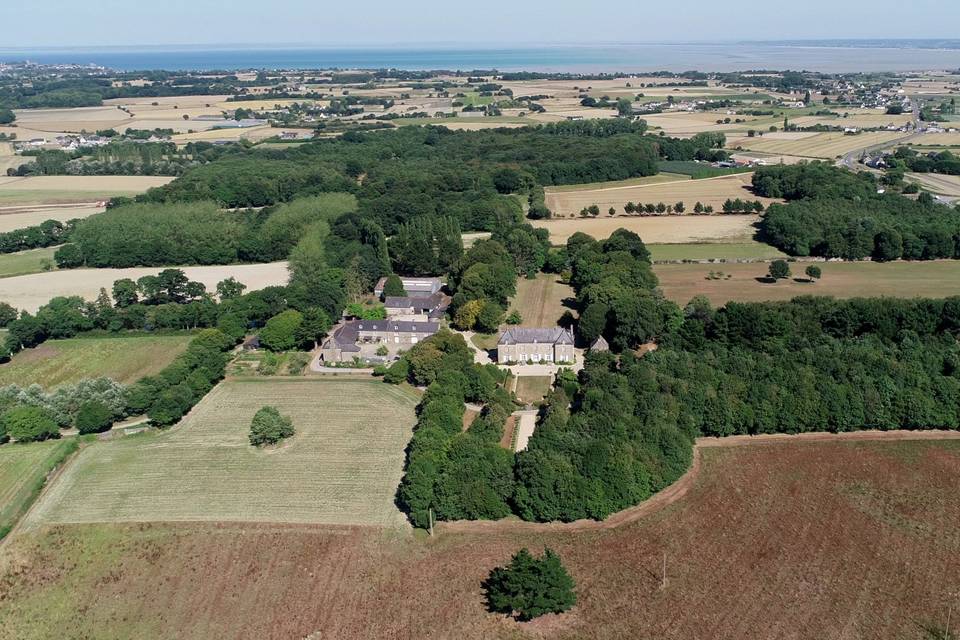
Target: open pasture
540,301
821,145
945,139
711,191
24,262
934,279
937,183
687,123
656,229
342,466
23,468
126,359
861,536
30,291
746,250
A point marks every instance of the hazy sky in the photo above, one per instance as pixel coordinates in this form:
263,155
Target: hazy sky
52,23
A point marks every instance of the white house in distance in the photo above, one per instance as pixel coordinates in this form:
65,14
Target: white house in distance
552,345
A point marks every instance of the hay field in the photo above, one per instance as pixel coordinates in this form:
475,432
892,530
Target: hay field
23,468
687,123
126,359
30,291
33,190
71,120
18,217
800,539
820,145
937,183
748,250
656,229
249,133
937,140
712,191
342,466
934,279
861,118
540,301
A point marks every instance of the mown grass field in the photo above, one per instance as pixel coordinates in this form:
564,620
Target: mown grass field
935,279
24,262
540,301
750,249
70,189
125,359
685,229
800,539
23,468
341,467
709,191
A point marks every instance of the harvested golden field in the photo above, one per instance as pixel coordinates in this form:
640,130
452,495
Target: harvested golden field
938,139
937,183
34,190
261,132
860,118
30,291
342,466
656,229
567,203
18,217
687,123
72,120
802,539
931,278
820,145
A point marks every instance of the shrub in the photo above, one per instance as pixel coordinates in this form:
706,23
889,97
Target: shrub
29,424
529,587
269,427
93,417
779,269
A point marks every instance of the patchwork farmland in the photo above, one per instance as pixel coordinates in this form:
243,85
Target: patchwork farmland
125,359
567,203
341,467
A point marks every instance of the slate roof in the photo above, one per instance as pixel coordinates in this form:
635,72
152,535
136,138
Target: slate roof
551,335
600,344
425,303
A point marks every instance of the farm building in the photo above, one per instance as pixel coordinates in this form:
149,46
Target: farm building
415,287
363,338
552,344
416,307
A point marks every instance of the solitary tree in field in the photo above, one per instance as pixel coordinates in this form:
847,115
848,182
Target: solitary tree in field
813,272
269,427
779,269
529,586
612,211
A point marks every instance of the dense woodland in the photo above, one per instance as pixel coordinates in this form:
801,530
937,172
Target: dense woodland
838,214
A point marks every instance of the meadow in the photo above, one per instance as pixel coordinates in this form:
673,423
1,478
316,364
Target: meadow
37,190
23,469
683,229
935,279
25,262
126,359
858,536
568,203
747,250
342,466
31,291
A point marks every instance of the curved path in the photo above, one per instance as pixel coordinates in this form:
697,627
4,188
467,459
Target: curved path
683,484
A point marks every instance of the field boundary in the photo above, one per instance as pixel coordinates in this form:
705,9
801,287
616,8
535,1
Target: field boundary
687,481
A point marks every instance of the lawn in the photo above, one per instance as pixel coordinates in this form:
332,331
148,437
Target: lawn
341,467
533,389
936,279
126,359
800,539
714,251
540,300
24,262
23,468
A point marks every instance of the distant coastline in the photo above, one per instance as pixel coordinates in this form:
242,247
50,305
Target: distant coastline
831,56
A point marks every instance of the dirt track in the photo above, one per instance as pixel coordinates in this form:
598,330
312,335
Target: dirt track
680,488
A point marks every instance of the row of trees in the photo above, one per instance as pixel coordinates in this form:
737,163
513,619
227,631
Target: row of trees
46,234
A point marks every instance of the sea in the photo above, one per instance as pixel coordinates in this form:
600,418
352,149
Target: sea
831,57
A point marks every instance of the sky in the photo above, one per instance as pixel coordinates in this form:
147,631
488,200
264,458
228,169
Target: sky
513,23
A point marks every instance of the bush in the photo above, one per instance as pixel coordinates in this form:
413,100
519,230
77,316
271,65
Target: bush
29,424
529,587
93,417
280,332
269,427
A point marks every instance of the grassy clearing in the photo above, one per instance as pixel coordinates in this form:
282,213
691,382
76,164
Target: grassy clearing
342,466
23,470
24,262
533,389
935,279
751,250
125,359
731,544
540,301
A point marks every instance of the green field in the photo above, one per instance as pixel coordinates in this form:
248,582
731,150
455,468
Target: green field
125,359
697,170
341,467
24,262
714,251
23,468
663,176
